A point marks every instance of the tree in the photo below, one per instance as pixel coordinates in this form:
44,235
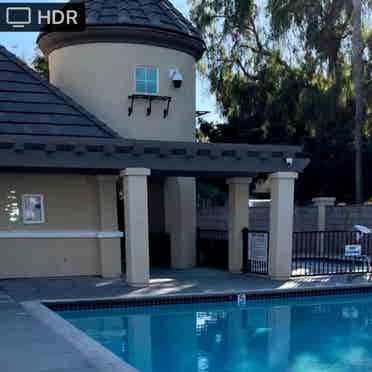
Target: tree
40,64
283,74
358,93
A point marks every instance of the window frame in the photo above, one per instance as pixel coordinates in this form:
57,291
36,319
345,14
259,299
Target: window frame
42,211
157,80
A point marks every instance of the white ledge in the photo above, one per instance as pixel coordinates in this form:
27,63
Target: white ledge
65,234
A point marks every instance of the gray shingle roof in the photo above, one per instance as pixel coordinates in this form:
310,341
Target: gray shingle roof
152,13
148,22
29,105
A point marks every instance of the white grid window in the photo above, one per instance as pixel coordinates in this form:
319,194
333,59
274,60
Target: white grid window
147,80
33,208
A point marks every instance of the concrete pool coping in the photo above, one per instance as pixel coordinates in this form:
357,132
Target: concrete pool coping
100,356
316,286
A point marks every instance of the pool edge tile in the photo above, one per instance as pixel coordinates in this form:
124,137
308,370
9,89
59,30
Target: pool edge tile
153,300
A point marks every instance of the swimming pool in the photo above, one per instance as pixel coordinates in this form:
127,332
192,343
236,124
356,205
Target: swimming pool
310,334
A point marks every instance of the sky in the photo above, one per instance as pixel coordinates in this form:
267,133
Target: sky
23,45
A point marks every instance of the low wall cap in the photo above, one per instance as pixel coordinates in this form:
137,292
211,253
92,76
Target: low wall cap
324,200
284,175
135,172
239,180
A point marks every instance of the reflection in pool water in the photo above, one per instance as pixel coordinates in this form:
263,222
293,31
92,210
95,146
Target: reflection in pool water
302,335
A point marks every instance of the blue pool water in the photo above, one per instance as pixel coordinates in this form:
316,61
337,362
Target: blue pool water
330,334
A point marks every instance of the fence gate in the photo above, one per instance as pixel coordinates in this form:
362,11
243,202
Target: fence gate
255,251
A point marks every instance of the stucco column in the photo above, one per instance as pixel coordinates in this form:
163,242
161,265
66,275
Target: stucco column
238,219
180,220
281,224
322,204
109,236
136,225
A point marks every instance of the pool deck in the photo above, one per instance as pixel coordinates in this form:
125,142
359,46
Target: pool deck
29,344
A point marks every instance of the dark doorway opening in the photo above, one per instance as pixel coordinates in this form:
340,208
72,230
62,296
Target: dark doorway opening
159,241
212,249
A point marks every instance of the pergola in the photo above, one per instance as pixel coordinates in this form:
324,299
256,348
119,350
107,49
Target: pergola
134,161
44,131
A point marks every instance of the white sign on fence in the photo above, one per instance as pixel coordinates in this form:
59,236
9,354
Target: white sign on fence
257,246
353,250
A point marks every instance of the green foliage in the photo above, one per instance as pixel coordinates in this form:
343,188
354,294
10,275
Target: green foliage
322,25
281,73
40,64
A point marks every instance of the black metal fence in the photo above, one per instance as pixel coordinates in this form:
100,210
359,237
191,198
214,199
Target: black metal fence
212,248
323,253
255,251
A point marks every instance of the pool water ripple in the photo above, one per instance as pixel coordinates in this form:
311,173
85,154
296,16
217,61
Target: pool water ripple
313,334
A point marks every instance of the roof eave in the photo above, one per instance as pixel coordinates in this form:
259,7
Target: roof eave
147,35
166,158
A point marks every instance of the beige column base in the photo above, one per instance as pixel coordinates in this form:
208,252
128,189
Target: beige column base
136,226
180,220
110,254
322,203
281,224
109,247
238,220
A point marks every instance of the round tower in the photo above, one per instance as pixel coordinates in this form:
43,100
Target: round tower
133,67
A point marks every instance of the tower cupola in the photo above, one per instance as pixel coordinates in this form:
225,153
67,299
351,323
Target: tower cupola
133,67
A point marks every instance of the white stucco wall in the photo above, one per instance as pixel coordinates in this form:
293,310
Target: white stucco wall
101,76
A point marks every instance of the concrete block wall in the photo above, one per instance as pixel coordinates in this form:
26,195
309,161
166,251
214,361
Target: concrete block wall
305,218
212,218
344,218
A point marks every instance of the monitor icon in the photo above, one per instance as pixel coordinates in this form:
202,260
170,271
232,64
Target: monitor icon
18,17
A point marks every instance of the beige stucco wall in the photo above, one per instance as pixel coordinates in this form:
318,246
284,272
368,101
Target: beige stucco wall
23,258
100,76
71,203
180,220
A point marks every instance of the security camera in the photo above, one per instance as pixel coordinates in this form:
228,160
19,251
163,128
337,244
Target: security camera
176,78
289,162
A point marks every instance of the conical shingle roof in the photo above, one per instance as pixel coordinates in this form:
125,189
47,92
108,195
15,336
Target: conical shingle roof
152,13
153,22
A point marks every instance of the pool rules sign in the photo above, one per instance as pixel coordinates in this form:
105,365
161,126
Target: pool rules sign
353,250
258,246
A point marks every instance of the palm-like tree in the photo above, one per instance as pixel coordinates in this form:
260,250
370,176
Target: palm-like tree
358,94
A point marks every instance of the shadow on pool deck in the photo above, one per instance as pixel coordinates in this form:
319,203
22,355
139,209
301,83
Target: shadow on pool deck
164,282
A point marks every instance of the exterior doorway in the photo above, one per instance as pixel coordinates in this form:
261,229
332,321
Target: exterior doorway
159,240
